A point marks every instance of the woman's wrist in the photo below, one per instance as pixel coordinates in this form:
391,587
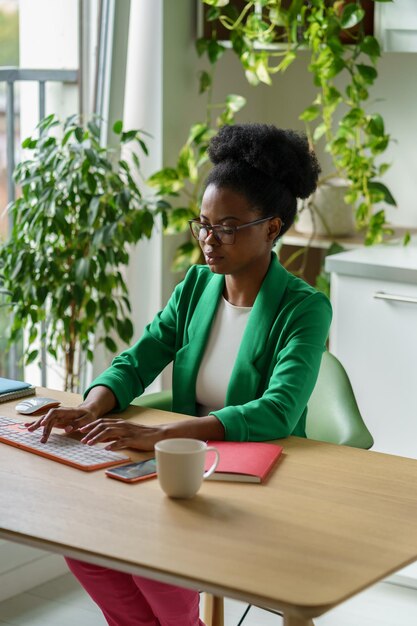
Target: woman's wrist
204,428
99,401
92,407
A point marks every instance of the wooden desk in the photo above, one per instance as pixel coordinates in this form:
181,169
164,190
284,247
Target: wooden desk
330,522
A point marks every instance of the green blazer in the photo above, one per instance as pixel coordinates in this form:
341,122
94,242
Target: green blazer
276,367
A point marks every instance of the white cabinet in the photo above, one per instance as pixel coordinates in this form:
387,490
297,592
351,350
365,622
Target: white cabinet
396,25
374,334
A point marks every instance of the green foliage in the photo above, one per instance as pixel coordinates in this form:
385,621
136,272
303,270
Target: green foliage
323,279
79,210
266,37
182,185
9,37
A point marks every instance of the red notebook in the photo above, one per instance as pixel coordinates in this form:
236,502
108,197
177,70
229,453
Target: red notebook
246,461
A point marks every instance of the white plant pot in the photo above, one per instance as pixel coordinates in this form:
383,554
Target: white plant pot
326,212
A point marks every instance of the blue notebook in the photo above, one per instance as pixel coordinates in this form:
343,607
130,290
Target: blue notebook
12,389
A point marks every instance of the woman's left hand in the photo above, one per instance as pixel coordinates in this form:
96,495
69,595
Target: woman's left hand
122,433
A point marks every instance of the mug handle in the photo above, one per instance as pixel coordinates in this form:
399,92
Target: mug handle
215,463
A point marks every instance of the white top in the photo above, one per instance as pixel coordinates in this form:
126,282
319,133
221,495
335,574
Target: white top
220,356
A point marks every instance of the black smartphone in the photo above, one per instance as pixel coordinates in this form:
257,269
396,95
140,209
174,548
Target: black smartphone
133,472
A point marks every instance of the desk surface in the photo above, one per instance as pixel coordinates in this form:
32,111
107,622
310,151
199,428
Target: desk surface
329,522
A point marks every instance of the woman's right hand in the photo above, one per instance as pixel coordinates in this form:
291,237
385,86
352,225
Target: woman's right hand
68,418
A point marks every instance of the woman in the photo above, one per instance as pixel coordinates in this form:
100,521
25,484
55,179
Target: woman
245,338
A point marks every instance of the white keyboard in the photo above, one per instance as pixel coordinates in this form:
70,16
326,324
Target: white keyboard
59,448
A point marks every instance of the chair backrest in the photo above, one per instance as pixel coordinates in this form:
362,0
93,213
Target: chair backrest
159,400
333,414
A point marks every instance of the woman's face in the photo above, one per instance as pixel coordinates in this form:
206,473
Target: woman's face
223,206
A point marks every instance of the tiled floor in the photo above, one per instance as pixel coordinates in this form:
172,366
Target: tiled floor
63,603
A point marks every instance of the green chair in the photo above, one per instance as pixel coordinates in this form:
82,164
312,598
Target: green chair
160,400
333,416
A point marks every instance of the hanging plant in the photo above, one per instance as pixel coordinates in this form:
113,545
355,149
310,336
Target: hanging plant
267,35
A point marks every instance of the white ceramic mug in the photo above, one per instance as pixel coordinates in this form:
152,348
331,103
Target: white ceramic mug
180,466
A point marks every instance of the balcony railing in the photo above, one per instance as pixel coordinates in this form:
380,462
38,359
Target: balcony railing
10,76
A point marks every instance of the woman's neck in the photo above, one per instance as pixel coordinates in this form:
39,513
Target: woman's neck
242,289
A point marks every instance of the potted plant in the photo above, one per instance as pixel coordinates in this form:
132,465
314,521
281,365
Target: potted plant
267,35
80,208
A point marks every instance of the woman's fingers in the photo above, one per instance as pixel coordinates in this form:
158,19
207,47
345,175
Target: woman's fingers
122,434
105,430
65,417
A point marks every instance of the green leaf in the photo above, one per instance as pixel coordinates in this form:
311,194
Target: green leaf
370,46
94,128
201,46
310,113
387,196
376,125
128,136
178,219
91,156
124,329
118,127
184,257
147,224
31,357
91,308
352,15
212,14
323,283
67,136
354,116
217,3
143,146
367,72
110,344
82,269
186,163
197,132
262,71
235,102
383,168
319,131
205,82
214,51
93,210
79,134
407,239
286,61
166,181
91,182
26,143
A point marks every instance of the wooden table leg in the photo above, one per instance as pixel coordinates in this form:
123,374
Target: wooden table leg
296,620
213,610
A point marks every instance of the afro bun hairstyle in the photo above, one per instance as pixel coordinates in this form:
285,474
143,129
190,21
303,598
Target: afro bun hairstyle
272,167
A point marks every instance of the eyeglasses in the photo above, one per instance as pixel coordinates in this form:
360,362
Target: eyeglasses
223,234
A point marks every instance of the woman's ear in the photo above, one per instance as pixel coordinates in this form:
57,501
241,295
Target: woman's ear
274,228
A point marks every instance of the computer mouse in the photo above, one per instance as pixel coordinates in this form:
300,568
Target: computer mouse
35,405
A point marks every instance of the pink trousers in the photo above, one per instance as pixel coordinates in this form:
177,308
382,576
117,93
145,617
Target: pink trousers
127,600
